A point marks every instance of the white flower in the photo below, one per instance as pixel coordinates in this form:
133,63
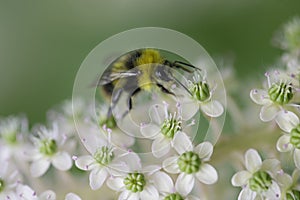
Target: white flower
291,143
119,138
168,192
104,161
24,192
142,183
9,179
288,184
49,148
162,129
191,164
71,111
274,99
200,95
289,37
12,136
258,180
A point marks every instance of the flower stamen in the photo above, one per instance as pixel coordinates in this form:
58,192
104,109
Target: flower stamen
135,182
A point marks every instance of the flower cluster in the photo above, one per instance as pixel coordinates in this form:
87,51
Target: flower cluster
180,165
280,103
84,148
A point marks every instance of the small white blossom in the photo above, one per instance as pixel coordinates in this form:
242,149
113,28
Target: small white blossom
168,192
162,129
200,96
12,136
290,142
142,183
50,147
104,161
119,138
9,179
191,164
274,100
258,180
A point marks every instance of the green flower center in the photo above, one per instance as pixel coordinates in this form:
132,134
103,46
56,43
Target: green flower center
104,155
260,181
281,93
189,162
295,137
174,196
48,147
171,126
293,195
1,185
135,182
11,137
108,121
200,91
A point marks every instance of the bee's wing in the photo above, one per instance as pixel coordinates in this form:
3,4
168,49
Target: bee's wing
110,77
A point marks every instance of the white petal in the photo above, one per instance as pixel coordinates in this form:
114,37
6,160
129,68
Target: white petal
260,97
284,180
162,182
160,146
247,194
192,197
273,193
97,178
48,195
124,195
149,193
122,140
283,144
26,192
182,143
204,150
252,160
287,120
157,113
170,165
83,162
133,196
150,130
71,196
212,108
268,112
132,160
240,178
297,158
271,165
150,169
62,161
39,167
115,183
207,174
189,109
184,183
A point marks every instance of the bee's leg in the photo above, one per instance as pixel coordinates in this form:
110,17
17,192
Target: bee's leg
114,101
129,101
165,90
130,98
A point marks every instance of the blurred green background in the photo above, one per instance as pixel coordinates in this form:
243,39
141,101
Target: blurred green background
42,43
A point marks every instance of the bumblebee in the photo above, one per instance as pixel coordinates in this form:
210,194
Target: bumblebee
140,70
